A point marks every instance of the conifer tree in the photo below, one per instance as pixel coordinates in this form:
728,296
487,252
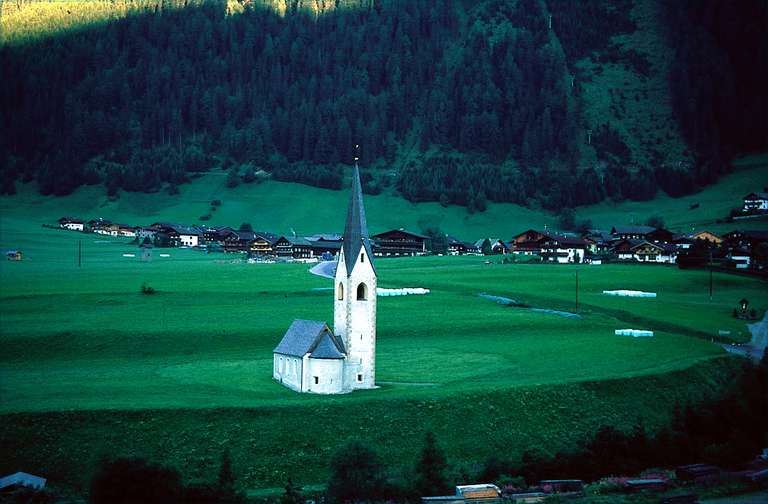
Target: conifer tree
430,469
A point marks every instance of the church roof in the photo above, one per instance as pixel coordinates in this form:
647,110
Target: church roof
356,229
310,336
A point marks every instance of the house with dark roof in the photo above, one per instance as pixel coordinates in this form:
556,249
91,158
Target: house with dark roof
459,247
293,247
490,246
399,242
647,233
72,223
529,242
756,202
313,358
563,248
179,234
645,251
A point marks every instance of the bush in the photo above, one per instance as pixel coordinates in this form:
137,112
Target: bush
146,289
216,203
134,480
205,217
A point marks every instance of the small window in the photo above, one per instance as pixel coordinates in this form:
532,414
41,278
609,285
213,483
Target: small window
317,380
340,292
362,292
359,377
362,258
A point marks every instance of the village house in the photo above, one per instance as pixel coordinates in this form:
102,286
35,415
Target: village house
647,233
325,245
262,244
13,255
645,251
598,242
563,249
216,235
144,232
293,247
458,247
756,202
72,223
179,235
311,357
491,246
708,236
399,242
528,242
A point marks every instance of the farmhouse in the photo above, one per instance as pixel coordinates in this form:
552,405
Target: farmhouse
489,246
326,245
178,234
399,242
458,247
647,233
563,249
293,247
311,357
528,242
756,202
707,236
72,224
645,251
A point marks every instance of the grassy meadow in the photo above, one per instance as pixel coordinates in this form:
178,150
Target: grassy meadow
90,365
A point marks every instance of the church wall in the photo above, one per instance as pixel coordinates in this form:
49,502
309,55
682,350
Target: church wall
287,369
329,374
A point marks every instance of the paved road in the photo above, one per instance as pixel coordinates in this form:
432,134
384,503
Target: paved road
756,346
325,269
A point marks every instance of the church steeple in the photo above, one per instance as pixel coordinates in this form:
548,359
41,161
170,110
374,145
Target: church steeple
356,230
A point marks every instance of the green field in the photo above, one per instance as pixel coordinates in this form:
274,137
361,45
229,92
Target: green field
90,365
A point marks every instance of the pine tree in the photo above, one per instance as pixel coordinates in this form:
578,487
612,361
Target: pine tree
430,470
292,494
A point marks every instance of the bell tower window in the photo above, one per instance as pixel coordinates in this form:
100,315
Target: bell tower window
362,292
362,258
340,292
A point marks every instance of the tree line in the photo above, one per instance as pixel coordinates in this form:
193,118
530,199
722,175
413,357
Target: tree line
482,96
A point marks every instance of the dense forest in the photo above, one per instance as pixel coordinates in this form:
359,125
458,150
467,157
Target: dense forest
446,104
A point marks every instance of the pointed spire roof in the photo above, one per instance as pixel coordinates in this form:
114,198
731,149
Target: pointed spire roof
356,229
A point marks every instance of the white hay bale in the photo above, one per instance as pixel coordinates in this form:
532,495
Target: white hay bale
635,333
629,293
129,255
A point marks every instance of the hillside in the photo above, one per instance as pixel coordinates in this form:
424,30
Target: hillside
281,206
539,103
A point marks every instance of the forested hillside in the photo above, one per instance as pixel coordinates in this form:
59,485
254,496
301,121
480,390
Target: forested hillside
457,102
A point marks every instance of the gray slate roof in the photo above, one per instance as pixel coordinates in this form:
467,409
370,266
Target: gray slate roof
22,479
310,336
356,229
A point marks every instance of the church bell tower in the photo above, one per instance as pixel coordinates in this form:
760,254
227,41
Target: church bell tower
354,309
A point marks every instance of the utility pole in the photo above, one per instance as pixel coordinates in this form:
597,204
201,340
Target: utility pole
550,21
79,253
710,283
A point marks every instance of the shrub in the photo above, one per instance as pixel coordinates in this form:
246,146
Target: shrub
216,203
146,289
133,480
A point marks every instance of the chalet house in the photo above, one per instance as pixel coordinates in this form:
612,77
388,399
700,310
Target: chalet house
178,234
102,226
325,244
458,247
563,249
399,242
293,247
528,242
72,224
707,236
598,242
256,243
682,241
216,235
645,251
491,246
756,202
144,232
647,233
126,230
744,239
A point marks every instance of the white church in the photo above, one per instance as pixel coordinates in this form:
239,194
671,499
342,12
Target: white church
313,358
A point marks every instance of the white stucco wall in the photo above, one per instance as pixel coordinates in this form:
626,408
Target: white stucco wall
73,226
287,370
329,375
355,322
189,240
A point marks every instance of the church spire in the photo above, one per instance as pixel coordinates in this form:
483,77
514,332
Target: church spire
356,229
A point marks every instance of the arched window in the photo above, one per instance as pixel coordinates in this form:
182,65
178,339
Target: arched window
340,292
362,292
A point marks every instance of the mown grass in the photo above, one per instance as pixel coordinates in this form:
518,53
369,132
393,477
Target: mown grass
90,365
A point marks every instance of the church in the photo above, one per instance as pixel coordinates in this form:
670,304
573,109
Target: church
312,357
